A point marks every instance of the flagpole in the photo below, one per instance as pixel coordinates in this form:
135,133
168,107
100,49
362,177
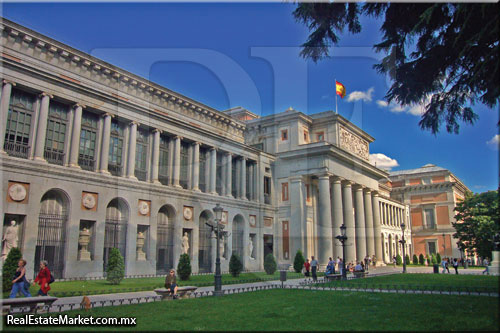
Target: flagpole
336,107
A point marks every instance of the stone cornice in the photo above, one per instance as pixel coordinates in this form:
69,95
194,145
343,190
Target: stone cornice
424,187
31,40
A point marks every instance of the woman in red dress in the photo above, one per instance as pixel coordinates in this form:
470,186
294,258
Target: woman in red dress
307,266
43,279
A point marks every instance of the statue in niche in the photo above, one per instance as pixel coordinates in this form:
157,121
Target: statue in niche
10,238
250,248
185,243
222,247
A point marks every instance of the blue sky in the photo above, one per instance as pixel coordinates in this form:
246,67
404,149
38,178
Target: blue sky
227,55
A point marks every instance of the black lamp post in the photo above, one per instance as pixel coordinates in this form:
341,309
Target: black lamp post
342,238
444,246
403,242
218,232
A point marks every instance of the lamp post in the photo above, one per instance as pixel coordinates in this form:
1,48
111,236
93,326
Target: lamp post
403,242
342,238
444,246
218,277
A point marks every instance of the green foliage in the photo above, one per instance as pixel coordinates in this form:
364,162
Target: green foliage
115,271
298,262
9,268
399,260
407,259
421,259
434,259
478,220
235,265
184,267
444,56
438,258
270,264
415,259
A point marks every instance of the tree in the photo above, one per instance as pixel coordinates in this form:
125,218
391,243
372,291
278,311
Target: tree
478,221
421,259
407,259
415,259
399,260
184,267
270,264
438,258
434,259
9,268
442,55
298,262
235,265
116,267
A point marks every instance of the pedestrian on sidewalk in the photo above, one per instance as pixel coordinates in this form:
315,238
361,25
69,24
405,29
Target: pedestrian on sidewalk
394,261
314,268
486,267
455,265
43,279
341,265
307,267
447,264
367,263
443,263
20,284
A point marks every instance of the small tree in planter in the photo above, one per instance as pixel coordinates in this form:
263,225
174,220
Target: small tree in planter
415,259
421,259
399,261
298,262
9,268
270,264
184,267
235,265
433,259
116,267
438,258
407,259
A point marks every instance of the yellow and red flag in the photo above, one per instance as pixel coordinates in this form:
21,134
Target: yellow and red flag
339,87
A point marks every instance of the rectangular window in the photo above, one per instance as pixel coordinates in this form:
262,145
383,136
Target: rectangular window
308,193
429,218
234,180
306,136
218,179
431,246
88,139
284,191
247,180
56,133
202,179
141,155
320,136
183,177
163,169
115,162
284,135
18,128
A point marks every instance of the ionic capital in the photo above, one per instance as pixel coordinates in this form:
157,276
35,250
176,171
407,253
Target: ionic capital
12,83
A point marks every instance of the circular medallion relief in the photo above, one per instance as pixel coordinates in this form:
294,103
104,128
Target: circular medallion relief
224,217
143,208
188,213
17,192
252,220
88,201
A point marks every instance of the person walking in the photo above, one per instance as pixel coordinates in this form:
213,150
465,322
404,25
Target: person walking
367,263
341,265
43,279
307,267
455,265
443,263
314,268
394,261
447,264
20,284
331,263
486,267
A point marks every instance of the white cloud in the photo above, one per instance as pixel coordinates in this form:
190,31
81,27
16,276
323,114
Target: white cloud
415,109
382,161
382,104
365,96
494,142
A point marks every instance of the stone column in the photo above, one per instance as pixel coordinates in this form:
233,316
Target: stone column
42,127
370,242
237,181
196,166
131,150
177,162
251,180
338,217
243,178
4,111
350,247
229,174
155,163
360,224
377,229
213,170
297,239
75,137
324,230
105,143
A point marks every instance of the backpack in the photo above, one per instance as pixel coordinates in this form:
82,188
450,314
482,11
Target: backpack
51,278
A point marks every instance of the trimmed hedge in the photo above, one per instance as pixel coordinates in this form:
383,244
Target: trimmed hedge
298,262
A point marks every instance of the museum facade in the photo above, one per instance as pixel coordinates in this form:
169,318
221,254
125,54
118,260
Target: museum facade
94,157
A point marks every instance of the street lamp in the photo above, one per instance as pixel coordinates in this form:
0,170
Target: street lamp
218,232
444,246
403,242
342,238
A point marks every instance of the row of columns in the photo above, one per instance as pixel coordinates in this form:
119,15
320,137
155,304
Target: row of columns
392,215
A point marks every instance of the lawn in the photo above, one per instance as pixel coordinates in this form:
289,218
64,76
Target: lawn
306,310
424,282
93,287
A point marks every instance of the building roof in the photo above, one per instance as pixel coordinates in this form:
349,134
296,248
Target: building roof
423,169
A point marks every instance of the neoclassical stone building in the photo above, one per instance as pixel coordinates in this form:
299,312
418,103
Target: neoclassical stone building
94,157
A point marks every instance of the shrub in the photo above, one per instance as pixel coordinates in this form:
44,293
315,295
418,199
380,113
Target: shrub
407,259
421,259
9,268
184,267
270,264
298,262
399,260
415,259
438,258
235,265
116,267
433,259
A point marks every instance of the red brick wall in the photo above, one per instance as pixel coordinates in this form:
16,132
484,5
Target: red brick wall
416,217
442,217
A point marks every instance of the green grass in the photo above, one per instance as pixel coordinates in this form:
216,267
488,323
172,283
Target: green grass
291,310
423,281
93,287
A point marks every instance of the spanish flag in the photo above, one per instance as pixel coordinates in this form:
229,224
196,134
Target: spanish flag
340,89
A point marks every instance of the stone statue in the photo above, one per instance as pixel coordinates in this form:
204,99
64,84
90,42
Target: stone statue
496,242
185,243
10,238
250,248
222,245
139,245
83,241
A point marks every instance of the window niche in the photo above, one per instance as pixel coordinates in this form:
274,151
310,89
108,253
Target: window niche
142,242
86,240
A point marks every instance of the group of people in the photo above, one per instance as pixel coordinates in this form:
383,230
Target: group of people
311,267
22,285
